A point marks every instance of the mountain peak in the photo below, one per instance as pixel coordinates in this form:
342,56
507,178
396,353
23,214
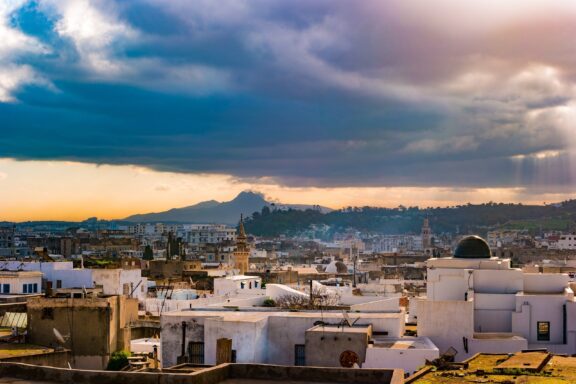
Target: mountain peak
250,196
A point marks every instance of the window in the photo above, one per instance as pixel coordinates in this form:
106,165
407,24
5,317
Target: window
233,356
543,328
299,355
30,288
47,313
58,284
6,288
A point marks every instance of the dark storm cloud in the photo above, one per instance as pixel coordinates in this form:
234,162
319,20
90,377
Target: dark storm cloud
323,93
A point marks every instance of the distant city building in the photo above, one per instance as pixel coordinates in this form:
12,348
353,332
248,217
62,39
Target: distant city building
191,233
567,242
7,241
397,243
209,233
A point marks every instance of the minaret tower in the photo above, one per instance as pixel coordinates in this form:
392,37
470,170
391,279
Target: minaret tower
426,235
242,252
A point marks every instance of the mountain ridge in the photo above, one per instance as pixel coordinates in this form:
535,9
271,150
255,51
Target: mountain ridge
212,211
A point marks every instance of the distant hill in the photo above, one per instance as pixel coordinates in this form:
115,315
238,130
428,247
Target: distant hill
212,211
468,218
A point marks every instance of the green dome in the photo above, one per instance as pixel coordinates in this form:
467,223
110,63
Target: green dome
472,247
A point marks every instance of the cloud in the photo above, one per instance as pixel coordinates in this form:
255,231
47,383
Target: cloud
323,93
15,46
95,31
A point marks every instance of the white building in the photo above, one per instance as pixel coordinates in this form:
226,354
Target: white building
258,253
567,242
272,336
397,243
20,282
478,303
62,274
237,284
209,233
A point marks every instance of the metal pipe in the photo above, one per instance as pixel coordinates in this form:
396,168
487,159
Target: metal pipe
183,338
564,335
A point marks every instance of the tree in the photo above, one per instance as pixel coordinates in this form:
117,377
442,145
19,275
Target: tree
318,300
148,253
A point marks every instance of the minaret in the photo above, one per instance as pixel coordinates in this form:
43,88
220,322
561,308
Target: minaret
426,235
242,252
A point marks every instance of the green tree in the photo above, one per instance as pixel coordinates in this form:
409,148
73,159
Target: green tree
118,360
148,253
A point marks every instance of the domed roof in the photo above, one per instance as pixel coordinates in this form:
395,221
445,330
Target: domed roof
472,247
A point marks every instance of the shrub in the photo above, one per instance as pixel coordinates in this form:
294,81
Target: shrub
118,360
269,303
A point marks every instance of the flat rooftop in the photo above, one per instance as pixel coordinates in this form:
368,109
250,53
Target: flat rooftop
509,368
229,315
527,360
345,328
9,350
405,342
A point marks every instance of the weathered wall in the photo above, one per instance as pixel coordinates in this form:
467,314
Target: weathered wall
274,373
171,336
94,327
323,347
248,339
208,376
52,359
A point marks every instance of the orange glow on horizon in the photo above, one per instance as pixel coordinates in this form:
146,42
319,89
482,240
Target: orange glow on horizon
51,190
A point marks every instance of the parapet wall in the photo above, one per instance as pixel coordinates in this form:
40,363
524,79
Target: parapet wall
75,376
212,375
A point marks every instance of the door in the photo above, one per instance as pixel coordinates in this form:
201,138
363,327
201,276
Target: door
196,352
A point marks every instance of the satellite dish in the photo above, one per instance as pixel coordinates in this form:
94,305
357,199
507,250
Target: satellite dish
349,358
61,339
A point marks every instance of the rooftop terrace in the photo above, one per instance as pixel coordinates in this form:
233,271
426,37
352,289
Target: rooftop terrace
522,367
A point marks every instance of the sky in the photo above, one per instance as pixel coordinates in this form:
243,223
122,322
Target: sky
109,107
